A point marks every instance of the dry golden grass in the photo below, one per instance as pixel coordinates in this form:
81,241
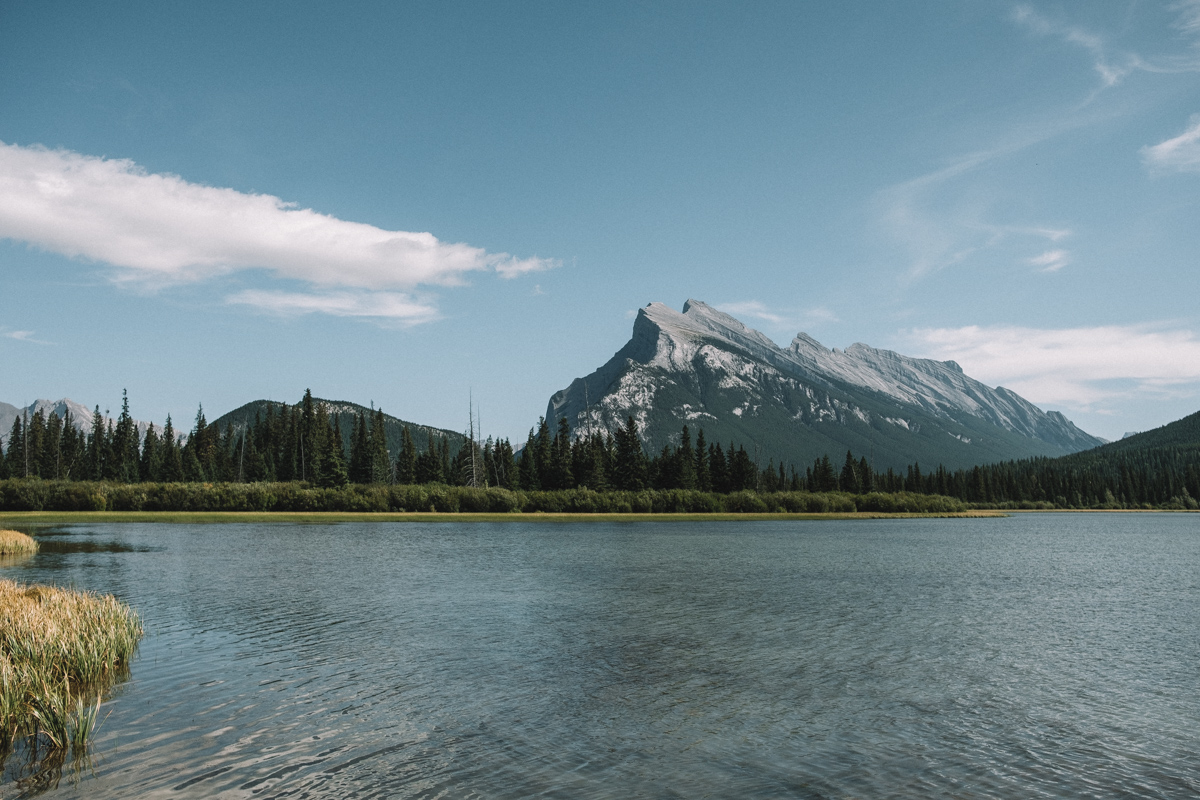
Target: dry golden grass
59,650
14,543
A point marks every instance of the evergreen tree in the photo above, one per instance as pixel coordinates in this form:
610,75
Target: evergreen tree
849,480
629,461
406,461
150,465
172,457
561,474
50,458
380,460
685,461
824,479
360,457
16,449
530,476
331,472
35,435
543,457
703,475
96,447
429,464
125,455
743,475
866,476
718,468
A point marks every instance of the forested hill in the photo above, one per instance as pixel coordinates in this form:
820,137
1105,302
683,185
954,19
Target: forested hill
1159,468
1181,433
346,413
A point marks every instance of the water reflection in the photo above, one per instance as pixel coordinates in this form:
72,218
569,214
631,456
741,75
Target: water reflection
985,658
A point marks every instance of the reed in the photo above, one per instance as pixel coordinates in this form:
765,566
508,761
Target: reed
15,543
60,649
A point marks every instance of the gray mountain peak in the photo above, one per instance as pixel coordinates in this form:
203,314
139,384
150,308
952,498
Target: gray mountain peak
707,369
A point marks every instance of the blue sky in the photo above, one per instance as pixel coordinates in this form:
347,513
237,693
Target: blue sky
405,203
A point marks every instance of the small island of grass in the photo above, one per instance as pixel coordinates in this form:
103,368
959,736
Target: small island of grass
15,543
60,649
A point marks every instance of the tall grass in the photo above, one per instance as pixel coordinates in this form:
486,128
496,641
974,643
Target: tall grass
59,650
15,543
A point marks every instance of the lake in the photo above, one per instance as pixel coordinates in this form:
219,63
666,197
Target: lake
1039,655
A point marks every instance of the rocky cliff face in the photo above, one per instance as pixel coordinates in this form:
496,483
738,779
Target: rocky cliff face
705,369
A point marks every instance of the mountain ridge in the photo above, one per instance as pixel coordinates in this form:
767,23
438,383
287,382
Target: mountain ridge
705,368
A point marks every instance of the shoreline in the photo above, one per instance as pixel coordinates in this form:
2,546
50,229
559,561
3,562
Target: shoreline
316,517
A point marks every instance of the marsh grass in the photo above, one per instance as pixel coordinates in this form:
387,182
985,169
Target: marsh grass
15,543
60,649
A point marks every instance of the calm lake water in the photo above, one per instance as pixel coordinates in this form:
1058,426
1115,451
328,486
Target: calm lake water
1052,655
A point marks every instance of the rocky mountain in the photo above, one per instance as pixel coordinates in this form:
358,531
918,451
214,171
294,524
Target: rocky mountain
706,369
81,416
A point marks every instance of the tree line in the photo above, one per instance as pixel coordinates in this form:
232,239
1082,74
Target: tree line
304,443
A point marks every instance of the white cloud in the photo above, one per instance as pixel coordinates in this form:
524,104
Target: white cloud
511,267
752,309
1072,367
791,320
24,336
390,305
1181,153
1051,260
157,230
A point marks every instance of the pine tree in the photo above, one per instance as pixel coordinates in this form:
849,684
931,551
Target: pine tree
406,461
150,465
703,475
543,456
96,447
561,474
685,461
16,446
332,462
629,460
50,457
849,480
743,475
718,468
123,468
380,461
360,463
35,435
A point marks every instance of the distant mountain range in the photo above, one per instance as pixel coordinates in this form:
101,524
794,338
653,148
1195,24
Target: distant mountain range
705,369
81,416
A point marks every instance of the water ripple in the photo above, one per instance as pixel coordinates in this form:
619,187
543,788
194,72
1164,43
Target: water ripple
1044,655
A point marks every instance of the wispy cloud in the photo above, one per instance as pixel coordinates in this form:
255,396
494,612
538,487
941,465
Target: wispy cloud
157,230
937,232
1188,19
791,320
1073,367
396,306
1112,67
1051,260
24,336
1181,154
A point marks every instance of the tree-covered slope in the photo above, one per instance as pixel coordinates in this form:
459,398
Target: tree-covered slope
346,412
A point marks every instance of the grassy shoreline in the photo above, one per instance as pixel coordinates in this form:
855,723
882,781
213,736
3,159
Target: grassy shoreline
60,650
66,517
